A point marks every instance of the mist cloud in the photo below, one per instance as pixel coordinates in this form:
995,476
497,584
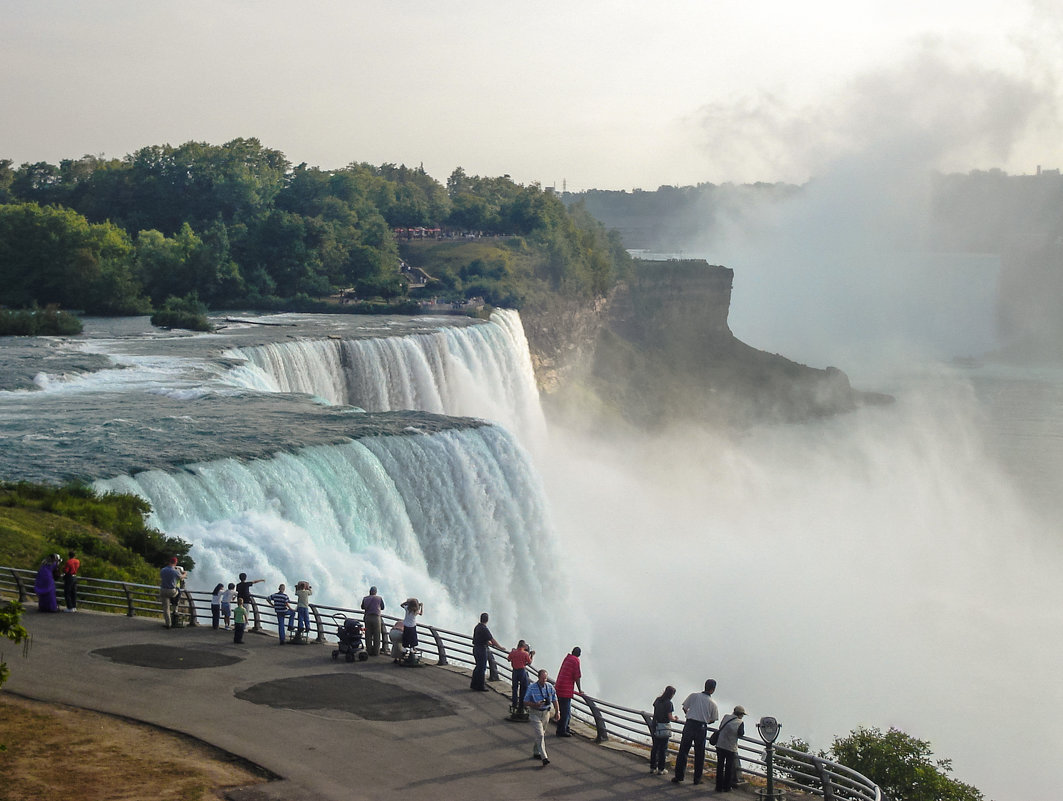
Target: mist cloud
937,108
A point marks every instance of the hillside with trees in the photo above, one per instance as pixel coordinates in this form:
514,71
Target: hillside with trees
239,226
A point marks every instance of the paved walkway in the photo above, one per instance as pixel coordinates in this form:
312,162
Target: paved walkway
332,731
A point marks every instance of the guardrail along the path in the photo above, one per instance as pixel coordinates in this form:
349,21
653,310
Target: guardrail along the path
608,722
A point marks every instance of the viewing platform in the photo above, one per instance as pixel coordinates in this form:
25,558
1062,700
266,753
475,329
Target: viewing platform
331,730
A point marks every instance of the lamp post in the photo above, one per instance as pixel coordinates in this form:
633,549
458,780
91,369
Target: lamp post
768,729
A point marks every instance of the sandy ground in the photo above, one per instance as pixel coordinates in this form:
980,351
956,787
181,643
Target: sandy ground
50,751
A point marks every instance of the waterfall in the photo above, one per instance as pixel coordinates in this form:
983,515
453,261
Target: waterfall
457,518
481,370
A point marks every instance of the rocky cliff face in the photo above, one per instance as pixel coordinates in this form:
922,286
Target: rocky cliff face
659,350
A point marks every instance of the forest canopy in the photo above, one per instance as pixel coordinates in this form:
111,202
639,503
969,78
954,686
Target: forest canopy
240,226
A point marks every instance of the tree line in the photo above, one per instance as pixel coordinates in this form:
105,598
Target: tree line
240,226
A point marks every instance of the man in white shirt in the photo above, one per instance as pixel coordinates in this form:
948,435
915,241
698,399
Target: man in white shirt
701,711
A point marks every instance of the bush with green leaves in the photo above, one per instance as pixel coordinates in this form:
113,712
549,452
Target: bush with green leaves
11,629
902,765
187,312
124,516
33,322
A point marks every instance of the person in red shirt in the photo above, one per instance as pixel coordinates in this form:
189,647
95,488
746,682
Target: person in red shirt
70,581
520,657
567,684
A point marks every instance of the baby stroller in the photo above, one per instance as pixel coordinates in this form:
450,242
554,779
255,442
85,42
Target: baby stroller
352,641
410,657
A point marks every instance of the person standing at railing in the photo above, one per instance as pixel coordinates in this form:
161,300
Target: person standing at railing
303,591
731,728
542,699
169,582
44,584
215,605
70,581
372,608
228,598
282,605
243,588
481,639
567,685
413,608
701,712
520,658
662,730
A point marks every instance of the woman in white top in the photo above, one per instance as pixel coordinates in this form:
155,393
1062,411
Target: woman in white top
413,608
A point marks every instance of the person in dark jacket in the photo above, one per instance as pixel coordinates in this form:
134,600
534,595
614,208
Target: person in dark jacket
481,639
663,718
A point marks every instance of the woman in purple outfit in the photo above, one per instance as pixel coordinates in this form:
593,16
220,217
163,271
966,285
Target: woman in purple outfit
44,586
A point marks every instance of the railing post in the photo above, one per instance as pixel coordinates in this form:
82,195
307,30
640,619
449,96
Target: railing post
648,718
824,778
318,624
442,660
191,609
602,734
492,666
257,626
18,583
128,599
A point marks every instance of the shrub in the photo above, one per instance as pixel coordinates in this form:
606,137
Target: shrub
187,312
902,766
36,322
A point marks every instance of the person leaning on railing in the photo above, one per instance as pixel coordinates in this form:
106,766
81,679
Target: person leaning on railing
169,581
662,730
730,729
520,658
481,639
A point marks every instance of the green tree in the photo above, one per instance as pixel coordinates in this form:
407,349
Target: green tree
11,629
54,255
7,178
901,765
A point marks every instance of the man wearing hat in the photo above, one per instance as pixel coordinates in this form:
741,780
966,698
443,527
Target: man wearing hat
731,728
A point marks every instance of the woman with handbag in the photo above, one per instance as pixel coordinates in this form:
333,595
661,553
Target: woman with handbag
662,730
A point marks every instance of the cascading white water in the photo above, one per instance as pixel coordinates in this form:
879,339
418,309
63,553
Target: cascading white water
478,371
457,518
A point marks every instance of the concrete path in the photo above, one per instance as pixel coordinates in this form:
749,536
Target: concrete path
331,730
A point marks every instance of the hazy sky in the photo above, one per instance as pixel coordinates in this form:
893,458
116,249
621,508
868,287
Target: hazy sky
597,93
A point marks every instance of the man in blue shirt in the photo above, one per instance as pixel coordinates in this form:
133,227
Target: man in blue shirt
282,606
542,701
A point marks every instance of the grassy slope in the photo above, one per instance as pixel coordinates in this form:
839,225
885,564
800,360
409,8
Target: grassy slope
29,534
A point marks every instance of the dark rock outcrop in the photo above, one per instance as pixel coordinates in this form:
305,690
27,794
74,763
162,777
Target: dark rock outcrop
659,350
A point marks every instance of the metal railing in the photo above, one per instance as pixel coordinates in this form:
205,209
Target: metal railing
610,722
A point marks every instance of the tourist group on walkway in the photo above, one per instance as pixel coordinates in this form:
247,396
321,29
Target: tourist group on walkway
541,701
544,702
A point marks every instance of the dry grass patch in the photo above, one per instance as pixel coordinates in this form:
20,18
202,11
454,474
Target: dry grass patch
54,751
